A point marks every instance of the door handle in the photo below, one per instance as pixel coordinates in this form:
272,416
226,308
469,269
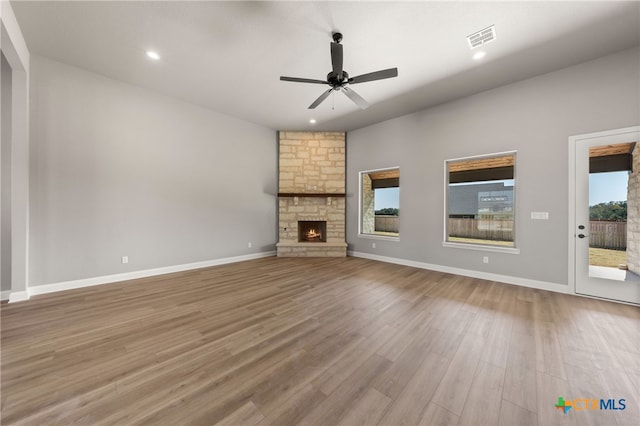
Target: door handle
582,236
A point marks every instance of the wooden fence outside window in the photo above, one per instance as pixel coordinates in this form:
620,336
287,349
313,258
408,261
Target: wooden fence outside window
602,234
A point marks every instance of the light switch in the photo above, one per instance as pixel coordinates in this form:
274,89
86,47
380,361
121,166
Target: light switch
540,215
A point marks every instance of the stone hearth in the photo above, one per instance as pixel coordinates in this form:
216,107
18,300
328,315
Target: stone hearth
311,187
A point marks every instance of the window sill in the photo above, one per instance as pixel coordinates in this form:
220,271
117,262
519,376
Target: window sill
480,247
379,237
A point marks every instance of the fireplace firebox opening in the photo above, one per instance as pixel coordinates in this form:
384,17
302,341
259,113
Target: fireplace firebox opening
312,231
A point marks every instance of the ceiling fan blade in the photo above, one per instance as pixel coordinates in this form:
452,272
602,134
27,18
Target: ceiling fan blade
303,80
336,59
376,75
357,99
320,99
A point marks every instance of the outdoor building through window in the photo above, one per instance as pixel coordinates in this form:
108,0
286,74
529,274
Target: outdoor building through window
481,200
380,202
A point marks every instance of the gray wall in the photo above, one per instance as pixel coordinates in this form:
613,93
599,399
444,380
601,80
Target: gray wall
5,178
534,117
117,170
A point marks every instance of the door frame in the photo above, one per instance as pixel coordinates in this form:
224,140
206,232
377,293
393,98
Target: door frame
571,234
16,53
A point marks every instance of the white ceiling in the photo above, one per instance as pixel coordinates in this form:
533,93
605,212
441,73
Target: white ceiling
228,56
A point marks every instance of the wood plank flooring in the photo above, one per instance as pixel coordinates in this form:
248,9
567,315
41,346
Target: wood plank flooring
346,341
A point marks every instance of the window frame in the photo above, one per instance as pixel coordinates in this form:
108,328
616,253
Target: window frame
479,246
362,234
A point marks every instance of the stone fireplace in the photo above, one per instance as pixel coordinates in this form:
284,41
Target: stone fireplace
311,194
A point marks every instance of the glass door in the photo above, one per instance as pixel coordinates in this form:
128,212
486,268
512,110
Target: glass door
607,219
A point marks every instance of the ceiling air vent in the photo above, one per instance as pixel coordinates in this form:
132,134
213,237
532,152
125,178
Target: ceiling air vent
482,37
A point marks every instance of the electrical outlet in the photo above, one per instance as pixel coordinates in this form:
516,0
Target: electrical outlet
125,259
373,245
485,259
250,244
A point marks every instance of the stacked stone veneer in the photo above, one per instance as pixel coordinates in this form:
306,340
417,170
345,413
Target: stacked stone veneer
633,214
311,163
368,205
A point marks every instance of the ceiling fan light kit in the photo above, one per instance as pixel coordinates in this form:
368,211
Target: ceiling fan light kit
339,79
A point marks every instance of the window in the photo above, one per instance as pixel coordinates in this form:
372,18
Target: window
480,201
380,202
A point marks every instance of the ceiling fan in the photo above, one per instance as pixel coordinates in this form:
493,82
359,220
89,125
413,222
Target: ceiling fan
339,79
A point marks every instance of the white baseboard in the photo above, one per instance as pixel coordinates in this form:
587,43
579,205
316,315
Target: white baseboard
524,282
88,282
107,279
4,294
19,296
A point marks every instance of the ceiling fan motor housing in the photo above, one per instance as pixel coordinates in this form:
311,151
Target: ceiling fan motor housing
335,82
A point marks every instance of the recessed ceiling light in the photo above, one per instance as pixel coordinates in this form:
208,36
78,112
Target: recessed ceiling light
153,55
312,121
479,55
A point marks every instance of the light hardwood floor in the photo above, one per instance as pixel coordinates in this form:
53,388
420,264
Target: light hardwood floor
288,341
